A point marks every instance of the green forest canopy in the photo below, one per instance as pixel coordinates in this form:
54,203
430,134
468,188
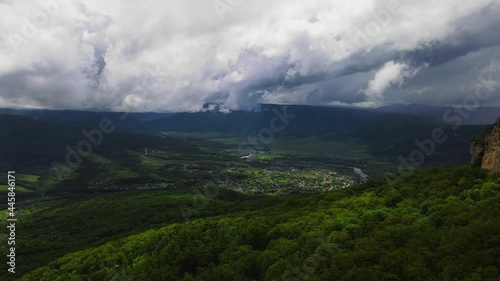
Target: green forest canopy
439,224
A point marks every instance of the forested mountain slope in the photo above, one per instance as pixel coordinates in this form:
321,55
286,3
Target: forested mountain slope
431,225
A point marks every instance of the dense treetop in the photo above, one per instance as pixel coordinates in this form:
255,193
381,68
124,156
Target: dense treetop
431,225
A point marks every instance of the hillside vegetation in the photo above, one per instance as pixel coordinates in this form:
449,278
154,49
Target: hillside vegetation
432,225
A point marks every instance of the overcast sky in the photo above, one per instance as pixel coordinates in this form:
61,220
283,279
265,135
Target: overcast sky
153,55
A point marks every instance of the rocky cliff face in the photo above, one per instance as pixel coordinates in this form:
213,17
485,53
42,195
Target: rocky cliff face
485,149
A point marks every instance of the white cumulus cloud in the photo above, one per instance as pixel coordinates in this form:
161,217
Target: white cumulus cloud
392,73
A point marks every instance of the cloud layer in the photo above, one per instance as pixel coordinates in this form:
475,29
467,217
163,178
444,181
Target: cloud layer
151,55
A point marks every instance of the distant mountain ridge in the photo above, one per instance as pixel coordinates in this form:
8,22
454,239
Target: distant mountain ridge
308,118
86,118
442,115
446,115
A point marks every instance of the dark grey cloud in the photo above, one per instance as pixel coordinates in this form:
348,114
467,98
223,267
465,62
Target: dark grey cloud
472,33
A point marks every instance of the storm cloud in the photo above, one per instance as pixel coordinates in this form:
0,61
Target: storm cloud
171,56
